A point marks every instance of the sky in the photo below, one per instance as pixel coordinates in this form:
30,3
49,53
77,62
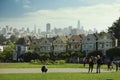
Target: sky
99,14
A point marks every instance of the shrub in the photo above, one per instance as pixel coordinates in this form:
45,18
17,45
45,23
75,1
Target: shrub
48,62
60,62
36,61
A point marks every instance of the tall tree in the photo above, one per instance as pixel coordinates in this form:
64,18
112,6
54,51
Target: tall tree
115,30
7,54
13,38
2,39
102,33
113,53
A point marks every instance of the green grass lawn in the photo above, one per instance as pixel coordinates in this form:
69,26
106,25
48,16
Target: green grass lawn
29,65
61,76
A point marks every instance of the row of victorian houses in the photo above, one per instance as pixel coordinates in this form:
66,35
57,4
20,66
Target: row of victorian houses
60,44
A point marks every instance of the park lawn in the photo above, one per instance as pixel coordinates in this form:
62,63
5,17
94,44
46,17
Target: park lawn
30,65
19,65
61,76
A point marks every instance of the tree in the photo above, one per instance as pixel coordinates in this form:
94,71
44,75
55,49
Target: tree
113,53
2,39
13,38
28,56
102,33
64,55
115,30
44,56
7,54
95,53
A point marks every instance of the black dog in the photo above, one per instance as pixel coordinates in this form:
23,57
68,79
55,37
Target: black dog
44,68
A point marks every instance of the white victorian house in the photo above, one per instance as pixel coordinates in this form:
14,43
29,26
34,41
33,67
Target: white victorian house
60,44
46,46
21,46
105,42
99,42
35,45
74,43
89,43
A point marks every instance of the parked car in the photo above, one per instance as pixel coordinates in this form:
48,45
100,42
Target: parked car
116,61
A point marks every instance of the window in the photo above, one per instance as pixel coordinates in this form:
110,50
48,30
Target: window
61,45
48,47
34,43
107,44
90,45
45,41
27,41
75,46
19,48
88,39
69,46
55,45
29,48
35,49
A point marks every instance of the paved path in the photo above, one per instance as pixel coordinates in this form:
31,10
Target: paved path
38,70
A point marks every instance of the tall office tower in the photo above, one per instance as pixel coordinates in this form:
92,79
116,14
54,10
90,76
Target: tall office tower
7,27
39,31
78,24
23,29
34,28
95,30
74,31
48,27
11,28
70,27
28,30
4,31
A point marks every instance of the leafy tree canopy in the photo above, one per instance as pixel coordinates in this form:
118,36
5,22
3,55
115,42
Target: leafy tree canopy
95,53
13,38
114,52
115,30
2,39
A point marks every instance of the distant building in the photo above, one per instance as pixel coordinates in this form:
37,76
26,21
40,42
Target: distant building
48,26
4,31
7,27
34,28
74,31
38,31
28,30
78,25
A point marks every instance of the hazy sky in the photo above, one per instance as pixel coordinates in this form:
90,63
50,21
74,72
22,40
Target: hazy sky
99,14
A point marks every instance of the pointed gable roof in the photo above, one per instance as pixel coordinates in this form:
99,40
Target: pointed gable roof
44,40
90,38
50,39
64,38
106,37
76,37
24,41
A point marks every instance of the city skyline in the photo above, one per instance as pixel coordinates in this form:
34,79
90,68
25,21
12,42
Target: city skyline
60,14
